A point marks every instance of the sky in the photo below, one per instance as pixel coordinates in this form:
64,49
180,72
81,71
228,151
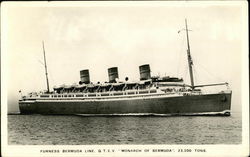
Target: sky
100,35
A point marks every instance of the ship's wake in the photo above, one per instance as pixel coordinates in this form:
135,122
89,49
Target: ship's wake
223,113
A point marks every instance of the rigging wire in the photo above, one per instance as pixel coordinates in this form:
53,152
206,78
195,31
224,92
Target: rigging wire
186,73
50,73
40,61
179,56
51,77
208,72
195,74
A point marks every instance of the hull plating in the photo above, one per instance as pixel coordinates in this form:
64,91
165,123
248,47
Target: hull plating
210,104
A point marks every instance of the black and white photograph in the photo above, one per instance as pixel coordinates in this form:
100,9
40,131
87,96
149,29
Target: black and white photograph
124,78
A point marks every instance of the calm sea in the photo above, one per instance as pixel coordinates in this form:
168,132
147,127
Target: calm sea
77,130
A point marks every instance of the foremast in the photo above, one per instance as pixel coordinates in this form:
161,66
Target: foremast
190,65
46,72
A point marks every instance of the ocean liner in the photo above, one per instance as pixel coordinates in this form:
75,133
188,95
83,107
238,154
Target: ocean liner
150,96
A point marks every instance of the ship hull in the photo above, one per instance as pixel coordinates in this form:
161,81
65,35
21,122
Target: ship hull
209,104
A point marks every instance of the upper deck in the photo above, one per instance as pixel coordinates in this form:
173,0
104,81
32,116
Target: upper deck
110,95
119,90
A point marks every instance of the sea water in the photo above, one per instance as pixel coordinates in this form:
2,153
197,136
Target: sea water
79,130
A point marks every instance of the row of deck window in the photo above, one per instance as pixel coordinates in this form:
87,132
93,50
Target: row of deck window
122,87
102,94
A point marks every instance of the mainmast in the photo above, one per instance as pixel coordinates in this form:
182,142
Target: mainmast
46,72
190,62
